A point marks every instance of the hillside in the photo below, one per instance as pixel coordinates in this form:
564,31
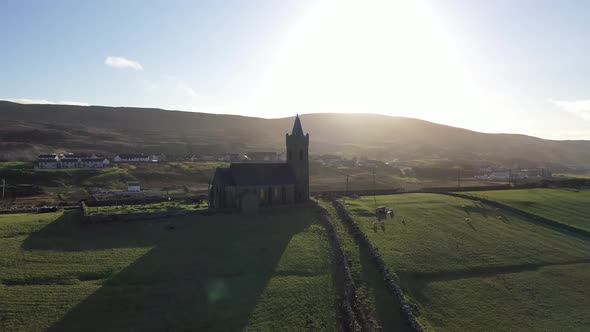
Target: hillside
30,129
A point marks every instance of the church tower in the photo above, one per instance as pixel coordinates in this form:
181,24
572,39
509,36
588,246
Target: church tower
297,158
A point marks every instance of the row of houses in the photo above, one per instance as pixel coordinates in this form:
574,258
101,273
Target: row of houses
82,160
256,156
55,161
514,174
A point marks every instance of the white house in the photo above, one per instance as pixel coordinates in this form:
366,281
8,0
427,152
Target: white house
132,158
47,164
133,187
52,161
69,163
48,161
499,176
93,162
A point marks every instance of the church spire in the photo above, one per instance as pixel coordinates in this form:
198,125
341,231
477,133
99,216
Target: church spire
297,129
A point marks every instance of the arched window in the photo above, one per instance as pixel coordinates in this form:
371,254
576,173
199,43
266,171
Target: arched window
300,154
284,195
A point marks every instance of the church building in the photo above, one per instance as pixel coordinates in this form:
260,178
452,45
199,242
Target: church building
247,186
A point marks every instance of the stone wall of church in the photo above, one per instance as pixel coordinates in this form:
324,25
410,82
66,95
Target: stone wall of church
268,195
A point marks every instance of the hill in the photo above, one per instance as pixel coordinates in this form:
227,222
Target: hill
30,129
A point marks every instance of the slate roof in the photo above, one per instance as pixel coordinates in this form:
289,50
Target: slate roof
132,156
256,174
297,128
47,156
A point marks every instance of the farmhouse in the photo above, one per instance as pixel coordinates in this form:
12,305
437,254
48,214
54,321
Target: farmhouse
133,187
251,185
134,158
52,161
49,161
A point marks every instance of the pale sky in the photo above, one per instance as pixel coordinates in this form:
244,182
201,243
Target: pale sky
510,66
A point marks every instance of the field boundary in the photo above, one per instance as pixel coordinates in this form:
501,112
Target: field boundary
355,317
407,308
543,220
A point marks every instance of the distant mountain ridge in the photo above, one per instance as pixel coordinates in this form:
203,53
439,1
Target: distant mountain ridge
29,129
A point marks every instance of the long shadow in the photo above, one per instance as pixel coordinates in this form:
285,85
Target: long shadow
205,274
362,212
418,281
69,233
474,209
387,307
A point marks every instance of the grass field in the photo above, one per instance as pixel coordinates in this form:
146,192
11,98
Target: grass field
221,272
371,290
116,176
172,207
470,267
568,206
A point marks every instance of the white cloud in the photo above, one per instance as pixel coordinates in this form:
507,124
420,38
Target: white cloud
580,107
122,63
182,87
47,102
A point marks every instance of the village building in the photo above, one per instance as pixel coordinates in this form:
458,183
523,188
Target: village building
248,186
48,161
53,161
133,187
133,158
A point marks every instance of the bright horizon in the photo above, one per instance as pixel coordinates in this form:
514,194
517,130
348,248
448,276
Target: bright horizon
503,67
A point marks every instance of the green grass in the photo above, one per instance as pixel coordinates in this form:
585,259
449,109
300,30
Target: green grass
171,207
371,290
221,272
568,206
480,273
117,176
572,175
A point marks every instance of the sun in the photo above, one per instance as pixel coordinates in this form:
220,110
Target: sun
389,57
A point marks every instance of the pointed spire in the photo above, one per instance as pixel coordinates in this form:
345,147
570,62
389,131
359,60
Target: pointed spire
297,129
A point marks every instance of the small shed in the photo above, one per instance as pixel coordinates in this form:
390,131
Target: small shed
133,187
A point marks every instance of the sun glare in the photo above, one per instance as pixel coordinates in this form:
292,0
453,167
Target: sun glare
389,57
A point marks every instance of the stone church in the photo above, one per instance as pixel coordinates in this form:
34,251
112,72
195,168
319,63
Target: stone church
248,186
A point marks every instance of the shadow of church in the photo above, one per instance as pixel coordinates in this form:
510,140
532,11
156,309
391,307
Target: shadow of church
206,274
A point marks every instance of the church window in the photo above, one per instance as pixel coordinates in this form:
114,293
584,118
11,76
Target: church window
284,195
300,154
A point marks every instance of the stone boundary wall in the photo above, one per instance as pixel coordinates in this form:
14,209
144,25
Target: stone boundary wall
101,218
407,308
553,183
401,191
136,201
27,210
84,209
354,316
543,220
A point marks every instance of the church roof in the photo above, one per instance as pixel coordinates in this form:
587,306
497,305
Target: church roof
255,174
297,128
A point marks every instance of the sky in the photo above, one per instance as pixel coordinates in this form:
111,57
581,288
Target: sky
503,66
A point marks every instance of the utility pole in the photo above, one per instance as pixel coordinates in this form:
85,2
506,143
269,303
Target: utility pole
3,187
374,197
346,191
